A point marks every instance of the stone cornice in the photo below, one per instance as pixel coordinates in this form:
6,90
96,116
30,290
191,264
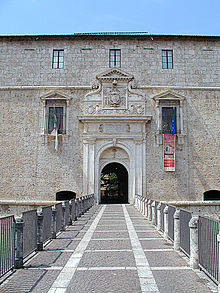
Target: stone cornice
89,87
115,118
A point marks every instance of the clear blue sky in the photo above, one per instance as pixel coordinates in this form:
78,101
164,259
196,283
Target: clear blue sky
70,16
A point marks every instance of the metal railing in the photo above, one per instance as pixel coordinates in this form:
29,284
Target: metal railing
47,221
7,244
22,235
208,230
29,232
185,217
67,212
58,217
197,236
171,212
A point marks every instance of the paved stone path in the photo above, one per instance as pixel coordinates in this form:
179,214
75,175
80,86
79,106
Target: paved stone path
112,248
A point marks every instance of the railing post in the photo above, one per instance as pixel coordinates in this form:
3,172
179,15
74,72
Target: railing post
139,203
77,208
165,215
194,255
141,207
148,210
53,224
74,210
135,201
176,217
153,205
218,239
80,207
70,217
19,224
145,207
83,205
40,230
159,217
86,203
63,217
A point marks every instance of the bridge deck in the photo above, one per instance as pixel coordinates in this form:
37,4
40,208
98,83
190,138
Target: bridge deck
112,248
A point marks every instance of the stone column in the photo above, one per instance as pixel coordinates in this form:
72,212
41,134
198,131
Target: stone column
165,215
176,217
40,230
91,170
194,250
85,166
218,239
153,213
159,217
138,166
53,224
19,224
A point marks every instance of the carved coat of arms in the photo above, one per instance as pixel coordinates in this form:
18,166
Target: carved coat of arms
114,96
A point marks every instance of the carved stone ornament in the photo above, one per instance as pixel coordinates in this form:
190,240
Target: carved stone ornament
113,94
114,98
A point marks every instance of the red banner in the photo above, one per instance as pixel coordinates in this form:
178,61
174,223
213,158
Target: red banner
169,152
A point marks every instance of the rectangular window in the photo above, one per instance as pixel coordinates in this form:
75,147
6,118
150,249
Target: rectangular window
55,119
58,60
167,59
115,58
169,120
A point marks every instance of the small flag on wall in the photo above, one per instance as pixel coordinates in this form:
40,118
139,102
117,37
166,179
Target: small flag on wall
169,152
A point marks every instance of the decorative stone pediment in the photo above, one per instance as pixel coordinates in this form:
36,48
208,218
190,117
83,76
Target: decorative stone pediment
113,95
168,96
55,95
114,74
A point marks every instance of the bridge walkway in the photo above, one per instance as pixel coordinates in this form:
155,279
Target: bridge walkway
111,248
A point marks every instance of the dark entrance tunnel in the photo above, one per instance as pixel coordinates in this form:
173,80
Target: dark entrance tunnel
114,184
65,195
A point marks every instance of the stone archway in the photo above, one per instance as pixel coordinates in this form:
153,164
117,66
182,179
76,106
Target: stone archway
114,184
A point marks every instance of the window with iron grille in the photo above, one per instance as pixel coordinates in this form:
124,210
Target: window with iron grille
169,120
56,119
167,59
115,58
58,59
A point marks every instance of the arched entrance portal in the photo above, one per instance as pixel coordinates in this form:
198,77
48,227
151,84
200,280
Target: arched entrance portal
114,184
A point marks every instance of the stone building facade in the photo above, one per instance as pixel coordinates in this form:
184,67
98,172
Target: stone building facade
110,89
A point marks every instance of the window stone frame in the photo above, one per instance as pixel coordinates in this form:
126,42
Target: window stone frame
53,99
170,99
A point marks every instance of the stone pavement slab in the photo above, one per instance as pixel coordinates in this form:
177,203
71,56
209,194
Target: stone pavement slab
107,259
111,248
109,244
180,281
105,235
120,281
